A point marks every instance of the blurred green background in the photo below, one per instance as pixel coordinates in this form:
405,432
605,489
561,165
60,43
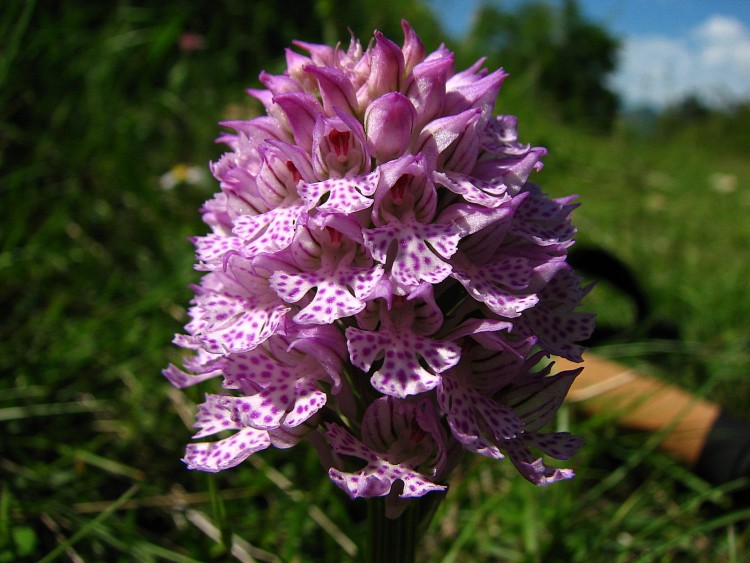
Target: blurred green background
108,111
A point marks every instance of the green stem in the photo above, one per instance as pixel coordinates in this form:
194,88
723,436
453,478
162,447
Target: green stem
395,540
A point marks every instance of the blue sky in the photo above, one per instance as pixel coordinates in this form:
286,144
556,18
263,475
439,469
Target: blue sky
669,47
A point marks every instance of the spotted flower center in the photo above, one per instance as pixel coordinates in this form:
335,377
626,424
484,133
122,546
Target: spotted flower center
340,143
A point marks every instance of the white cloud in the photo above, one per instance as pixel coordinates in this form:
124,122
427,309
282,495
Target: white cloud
712,61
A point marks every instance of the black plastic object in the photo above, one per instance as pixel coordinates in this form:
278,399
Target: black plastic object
599,265
725,457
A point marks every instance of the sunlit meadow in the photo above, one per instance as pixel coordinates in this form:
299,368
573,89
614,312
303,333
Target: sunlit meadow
105,126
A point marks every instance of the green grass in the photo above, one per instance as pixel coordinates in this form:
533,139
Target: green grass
97,104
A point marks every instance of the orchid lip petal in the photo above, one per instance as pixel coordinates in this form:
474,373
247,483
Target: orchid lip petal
343,195
377,478
422,251
229,452
403,352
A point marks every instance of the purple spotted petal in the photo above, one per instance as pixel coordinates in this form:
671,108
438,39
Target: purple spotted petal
376,480
537,471
555,320
213,417
341,293
282,387
473,190
476,420
344,195
308,400
485,284
559,445
249,371
421,250
533,468
401,374
181,379
290,400
236,310
270,232
501,136
229,452
263,411
378,476
544,221
210,250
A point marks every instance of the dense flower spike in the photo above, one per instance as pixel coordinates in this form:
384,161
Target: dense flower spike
382,277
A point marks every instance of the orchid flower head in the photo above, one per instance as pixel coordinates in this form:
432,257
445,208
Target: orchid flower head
382,276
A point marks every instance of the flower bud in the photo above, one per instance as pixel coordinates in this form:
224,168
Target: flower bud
452,142
386,67
336,89
389,123
425,86
413,49
301,109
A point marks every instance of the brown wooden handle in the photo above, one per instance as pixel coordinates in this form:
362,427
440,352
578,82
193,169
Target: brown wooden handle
642,402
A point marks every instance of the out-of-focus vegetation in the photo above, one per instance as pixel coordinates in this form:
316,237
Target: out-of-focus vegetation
554,53
100,100
691,121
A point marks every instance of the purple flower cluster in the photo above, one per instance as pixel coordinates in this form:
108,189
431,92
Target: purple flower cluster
381,278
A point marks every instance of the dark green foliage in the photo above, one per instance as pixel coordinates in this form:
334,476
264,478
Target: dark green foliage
552,50
692,121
